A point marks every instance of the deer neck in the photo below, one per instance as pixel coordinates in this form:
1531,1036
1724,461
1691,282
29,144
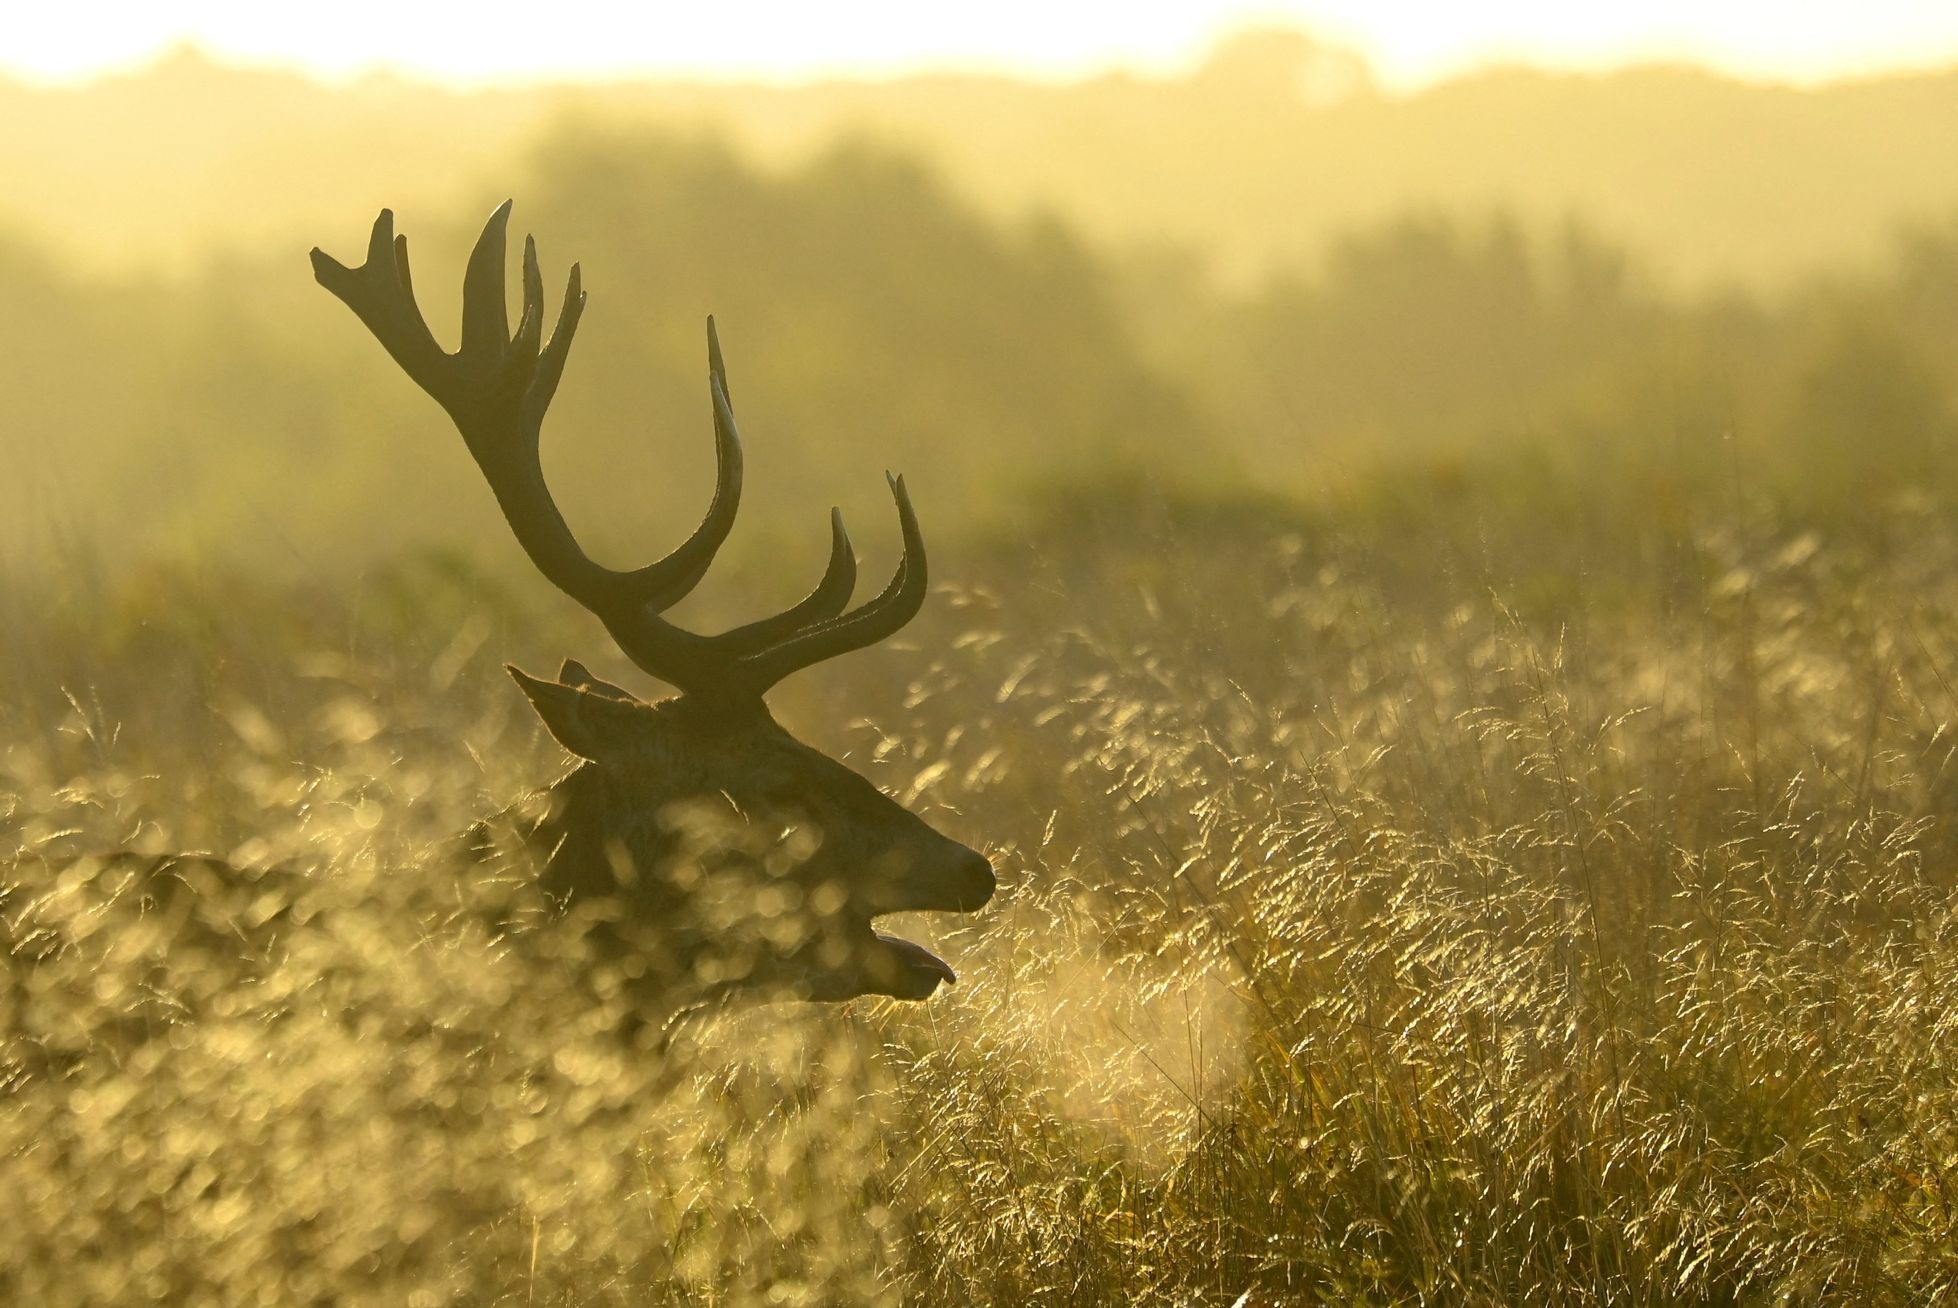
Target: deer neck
578,875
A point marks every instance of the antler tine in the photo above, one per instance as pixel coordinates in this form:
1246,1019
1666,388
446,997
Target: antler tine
832,593
745,662
485,320
496,388
378,293
690,561
867,624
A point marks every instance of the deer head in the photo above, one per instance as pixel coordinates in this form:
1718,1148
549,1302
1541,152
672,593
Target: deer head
702,841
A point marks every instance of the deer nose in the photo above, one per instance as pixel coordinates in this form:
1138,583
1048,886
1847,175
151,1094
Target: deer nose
972,881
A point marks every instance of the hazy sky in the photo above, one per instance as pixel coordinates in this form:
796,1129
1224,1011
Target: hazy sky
1410,42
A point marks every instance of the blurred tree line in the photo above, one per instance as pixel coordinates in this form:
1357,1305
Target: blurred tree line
1259,155
1451,340
872,320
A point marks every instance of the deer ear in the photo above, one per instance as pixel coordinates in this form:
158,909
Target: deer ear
574,673
589,723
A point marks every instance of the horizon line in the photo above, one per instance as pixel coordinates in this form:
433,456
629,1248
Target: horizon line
192,51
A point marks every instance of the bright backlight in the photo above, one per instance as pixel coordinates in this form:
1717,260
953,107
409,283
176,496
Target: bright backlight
1410,42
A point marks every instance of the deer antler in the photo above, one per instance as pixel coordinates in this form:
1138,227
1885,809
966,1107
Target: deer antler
496,387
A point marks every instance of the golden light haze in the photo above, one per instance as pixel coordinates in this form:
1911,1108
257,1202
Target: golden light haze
1442,621
1411,43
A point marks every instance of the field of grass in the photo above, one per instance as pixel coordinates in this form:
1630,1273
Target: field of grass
1450,891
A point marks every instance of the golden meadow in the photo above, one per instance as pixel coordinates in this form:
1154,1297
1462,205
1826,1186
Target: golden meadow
1462,720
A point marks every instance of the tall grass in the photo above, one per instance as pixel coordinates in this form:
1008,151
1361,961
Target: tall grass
1449,912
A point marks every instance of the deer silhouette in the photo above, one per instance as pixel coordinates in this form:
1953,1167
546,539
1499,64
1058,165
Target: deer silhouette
786,909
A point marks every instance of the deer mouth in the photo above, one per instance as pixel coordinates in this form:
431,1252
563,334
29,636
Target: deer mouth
962,882
861,960
915,965
850,956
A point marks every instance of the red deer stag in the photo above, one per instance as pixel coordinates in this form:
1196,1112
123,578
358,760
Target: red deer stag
612,829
